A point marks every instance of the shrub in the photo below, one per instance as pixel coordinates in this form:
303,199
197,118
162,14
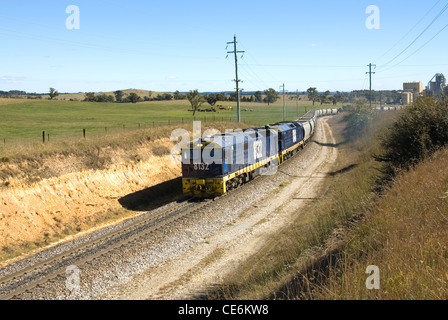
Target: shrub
418,133
357,119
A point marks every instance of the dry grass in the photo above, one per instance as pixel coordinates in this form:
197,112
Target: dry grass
406,236
6,101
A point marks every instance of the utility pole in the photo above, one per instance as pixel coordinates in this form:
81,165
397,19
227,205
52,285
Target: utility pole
370,81
284,116
235,51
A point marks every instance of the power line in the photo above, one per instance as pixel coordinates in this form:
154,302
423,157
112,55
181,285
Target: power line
252,74
306,66
417,49
26,35
410,30
269,74
426,29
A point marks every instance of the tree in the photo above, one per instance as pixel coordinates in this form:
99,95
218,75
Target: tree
196,100
221,97
104,98
178,95
164,96
258,97
420,130
271,95
233,96
167,96
324,97
211,99
119,95
313,94
338,97
53,93
133,97
90,96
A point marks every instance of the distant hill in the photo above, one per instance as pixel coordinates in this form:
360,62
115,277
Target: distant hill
81,96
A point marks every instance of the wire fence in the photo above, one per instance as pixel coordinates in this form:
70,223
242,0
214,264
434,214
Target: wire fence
97,130
52,135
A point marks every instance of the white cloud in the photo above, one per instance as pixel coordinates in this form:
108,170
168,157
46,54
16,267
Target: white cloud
12,79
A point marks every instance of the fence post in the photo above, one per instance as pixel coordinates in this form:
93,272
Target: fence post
84,133
43,136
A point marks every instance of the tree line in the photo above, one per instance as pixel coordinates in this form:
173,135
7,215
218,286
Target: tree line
383,96
267,96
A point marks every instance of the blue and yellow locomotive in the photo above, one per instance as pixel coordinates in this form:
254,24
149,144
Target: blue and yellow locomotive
216,164
213,165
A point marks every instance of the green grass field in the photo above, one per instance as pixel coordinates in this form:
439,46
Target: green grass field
24,120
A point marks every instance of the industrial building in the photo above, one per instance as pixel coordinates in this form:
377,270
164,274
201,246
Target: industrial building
411,92
414,87
407,98
436,87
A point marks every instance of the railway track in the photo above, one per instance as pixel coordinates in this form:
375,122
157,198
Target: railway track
43,276
22,276
19,279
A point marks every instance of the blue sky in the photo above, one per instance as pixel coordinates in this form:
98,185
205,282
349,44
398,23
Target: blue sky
181,45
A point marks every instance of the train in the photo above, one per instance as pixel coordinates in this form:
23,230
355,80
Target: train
214,165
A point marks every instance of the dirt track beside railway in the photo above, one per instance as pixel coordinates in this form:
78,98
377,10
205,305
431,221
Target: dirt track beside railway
206,262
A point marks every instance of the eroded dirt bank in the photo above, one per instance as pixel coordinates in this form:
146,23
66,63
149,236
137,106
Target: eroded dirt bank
67,203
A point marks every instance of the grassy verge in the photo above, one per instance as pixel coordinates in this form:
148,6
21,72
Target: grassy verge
405,235
295,262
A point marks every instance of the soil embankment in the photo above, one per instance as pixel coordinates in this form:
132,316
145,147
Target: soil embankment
70,201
